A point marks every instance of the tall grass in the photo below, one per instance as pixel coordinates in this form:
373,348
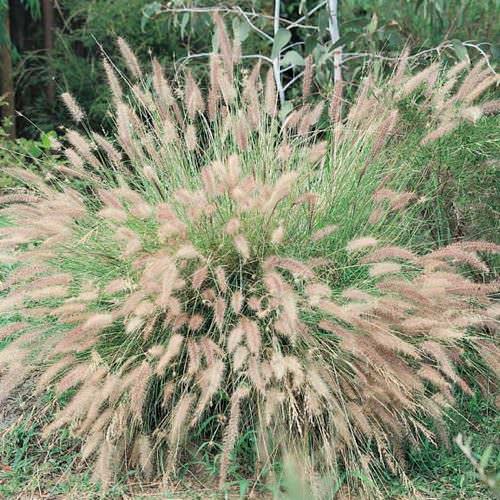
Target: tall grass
213,272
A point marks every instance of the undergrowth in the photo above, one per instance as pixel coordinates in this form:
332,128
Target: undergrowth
31,466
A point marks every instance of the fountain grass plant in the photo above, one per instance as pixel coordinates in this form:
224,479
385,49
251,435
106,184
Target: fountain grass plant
219,276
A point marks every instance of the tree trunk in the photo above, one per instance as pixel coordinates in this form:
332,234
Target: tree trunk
276,60
335,37
6,76
48,32
18,24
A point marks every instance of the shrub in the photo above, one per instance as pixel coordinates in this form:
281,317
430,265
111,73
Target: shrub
217,273
26,153
458,175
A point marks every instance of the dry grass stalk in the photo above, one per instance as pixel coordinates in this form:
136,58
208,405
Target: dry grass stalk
307,78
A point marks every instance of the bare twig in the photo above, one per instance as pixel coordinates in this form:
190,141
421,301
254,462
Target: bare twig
349,56
477,46
247,15
252,25
184,60
293,80
297,23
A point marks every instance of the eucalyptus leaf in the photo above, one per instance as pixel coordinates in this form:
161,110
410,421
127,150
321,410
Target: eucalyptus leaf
281,38
244,31
344,39
148,11
292,58
286,108
241,29
373,24
46,141
33,6
485,458
495,53
460,50
151,9
310,43
184,22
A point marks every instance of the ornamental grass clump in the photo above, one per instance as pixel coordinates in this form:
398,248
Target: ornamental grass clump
213,272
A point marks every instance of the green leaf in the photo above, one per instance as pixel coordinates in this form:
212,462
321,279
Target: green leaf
148,11
293,58
241,29
323,56
310,43
323,23
244,484
286,108
34,150
495,53
460,50
281,38
485,458
33,7
45,141
151,9
344,39
372,25
184,22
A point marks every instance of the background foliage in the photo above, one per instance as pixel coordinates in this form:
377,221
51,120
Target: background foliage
173,30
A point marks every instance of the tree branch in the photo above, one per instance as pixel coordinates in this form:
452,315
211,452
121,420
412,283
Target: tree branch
349,56
247,14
